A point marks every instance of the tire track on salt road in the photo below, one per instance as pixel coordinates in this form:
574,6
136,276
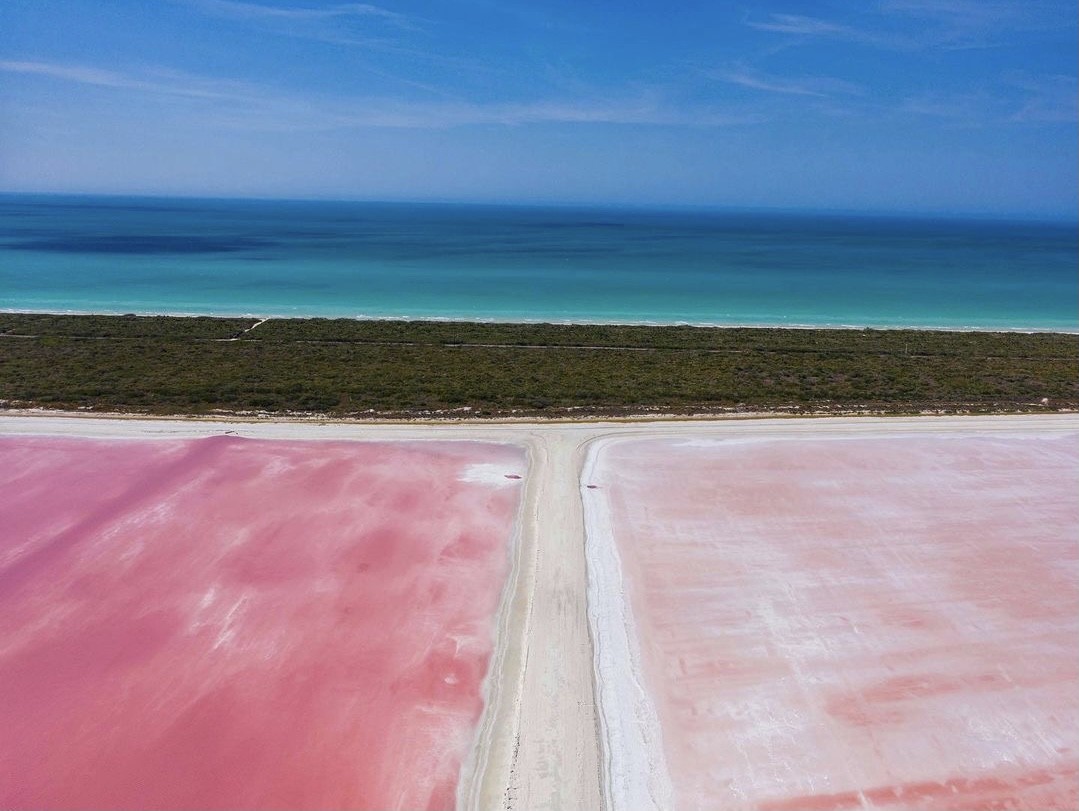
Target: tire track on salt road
539,748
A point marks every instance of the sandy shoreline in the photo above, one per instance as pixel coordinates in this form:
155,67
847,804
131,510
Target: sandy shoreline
568,322
541,743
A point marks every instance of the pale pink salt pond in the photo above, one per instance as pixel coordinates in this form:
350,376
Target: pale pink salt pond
856,623
233,623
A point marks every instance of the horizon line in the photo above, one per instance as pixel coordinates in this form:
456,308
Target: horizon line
718,208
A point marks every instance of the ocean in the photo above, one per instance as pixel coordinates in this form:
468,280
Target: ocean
502,263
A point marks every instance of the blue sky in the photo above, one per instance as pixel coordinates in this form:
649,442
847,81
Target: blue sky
880,105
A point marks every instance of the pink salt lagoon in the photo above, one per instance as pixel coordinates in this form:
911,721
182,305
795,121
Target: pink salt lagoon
827,624
236,623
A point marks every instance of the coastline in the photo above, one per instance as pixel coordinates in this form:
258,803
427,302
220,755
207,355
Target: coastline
574,322
547,265
382,369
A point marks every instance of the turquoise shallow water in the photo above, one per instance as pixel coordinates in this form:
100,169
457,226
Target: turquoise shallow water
117,255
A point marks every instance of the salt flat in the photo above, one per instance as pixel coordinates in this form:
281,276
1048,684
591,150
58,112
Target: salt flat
544,738
226,622
886,622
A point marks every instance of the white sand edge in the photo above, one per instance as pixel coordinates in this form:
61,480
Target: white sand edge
635,768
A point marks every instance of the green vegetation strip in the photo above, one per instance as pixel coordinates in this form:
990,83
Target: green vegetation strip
163,365
121,326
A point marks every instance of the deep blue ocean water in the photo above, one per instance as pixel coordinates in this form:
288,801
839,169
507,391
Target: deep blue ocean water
119,255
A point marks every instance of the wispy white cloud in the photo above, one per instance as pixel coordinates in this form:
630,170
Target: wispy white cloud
1048,99
288,113
366,27
946,8
361,25
976,13
817,86
922,24
959,24
340,11
1018,99
386,113
954,109
242,105
70,73
155,81
800,25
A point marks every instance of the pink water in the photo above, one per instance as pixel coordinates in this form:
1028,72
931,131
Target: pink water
232,623
869,623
